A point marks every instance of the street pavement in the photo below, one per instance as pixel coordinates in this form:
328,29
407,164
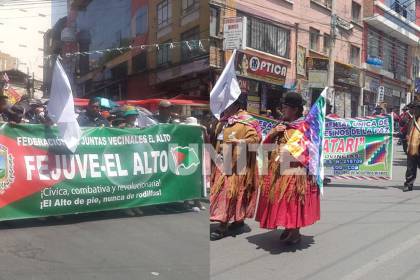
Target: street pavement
166,243
368,230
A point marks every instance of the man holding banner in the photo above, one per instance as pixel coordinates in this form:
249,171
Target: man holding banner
413,153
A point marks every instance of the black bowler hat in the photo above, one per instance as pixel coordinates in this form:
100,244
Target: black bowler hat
413,105
293,99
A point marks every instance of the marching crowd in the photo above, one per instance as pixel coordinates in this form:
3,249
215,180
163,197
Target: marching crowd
288,199
34,111
291,198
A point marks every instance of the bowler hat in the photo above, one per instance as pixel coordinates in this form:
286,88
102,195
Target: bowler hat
293,99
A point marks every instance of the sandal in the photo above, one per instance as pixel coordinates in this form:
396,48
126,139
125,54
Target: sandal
285,235
236,225
218,234
294,238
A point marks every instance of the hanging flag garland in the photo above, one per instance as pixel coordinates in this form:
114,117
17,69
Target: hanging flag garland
190,44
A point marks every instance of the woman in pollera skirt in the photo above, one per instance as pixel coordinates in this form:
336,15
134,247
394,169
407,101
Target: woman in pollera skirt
289,196
233,195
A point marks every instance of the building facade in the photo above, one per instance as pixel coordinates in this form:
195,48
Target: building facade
291,50
7,62
151,48
390,54
23,38
181,65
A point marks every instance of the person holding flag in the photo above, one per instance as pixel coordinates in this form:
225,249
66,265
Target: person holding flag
233,183
233,193
290,196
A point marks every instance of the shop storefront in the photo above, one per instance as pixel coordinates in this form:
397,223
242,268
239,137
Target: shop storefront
347,90
370,93
347,85
317,77
394,97
262,79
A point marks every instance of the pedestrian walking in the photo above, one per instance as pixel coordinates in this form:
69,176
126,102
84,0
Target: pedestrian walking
233,193
413,153
289,195
405,121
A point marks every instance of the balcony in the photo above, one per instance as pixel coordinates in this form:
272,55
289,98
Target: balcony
393,22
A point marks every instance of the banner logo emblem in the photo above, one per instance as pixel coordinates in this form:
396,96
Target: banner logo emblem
7,172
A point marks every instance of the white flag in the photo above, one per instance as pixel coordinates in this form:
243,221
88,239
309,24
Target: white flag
226,91
61,108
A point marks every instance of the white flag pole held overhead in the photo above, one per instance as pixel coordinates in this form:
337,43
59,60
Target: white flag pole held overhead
61,108
226,90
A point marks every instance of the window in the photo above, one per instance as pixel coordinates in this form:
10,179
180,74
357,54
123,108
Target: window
214,21
140,62
188,6
373,44
401,57
163,13
416,67
267,37
314,39
355,12
325,3
191,48
326,43
164,54
387,55
354,55
141,21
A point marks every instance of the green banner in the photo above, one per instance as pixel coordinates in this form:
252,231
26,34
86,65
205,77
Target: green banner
111,169
359,148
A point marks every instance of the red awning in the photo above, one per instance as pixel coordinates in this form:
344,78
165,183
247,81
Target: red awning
151,104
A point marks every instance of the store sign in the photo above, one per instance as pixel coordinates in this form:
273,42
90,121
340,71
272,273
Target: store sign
317,64
234,33
244,85
317,78
300,64
381,93
346,75
259,68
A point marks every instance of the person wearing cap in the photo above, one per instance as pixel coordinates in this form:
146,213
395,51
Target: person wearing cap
378,111
413,147
92,117
15,114
130,115
289,197
233,193
165,111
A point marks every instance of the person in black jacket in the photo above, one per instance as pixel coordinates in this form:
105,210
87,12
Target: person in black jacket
92,116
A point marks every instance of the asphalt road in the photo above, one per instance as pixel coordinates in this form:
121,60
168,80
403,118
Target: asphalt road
368,230
166,243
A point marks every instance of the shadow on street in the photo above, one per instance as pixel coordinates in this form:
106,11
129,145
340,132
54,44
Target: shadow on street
270,242
154,210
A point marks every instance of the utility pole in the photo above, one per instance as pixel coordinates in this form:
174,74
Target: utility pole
331,56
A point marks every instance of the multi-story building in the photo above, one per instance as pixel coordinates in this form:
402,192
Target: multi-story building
391,40
167,41
23,38
181,66
285,47
7,62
